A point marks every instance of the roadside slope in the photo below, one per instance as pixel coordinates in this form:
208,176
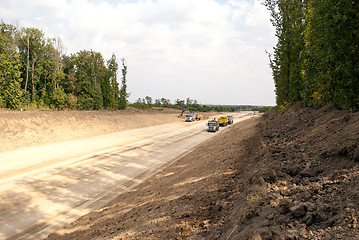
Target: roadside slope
303,182
33,128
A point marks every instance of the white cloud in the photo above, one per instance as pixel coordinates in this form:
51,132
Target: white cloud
174,48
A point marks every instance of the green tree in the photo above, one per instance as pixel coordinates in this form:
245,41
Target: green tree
287,16
10,80
148,100
114,93
32,46
123,91
331,67
89,71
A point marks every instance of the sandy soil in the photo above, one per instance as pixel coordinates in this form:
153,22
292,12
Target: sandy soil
25,129
284,176
43,187
173,204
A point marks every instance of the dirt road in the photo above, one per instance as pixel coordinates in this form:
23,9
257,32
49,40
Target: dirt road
45,187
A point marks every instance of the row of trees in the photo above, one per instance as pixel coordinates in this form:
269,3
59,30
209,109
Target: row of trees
35,73
192,104
316,57
148,102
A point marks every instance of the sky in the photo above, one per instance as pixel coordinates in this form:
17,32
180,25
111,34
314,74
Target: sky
213,51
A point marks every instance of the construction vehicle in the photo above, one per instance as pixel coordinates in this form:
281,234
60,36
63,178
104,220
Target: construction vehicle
230,120
198,117
186,110
223,121
213,125
190,118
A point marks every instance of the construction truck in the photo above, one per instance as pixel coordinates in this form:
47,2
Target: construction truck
190,118
223,121
198,117
230,120
213,125
186,110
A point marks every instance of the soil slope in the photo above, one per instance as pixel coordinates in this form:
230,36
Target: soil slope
32,128
283,176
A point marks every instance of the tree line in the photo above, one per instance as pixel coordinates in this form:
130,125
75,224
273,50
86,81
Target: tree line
316,57
192,104
35,73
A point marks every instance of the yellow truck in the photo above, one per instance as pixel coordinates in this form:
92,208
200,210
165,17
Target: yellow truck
223,121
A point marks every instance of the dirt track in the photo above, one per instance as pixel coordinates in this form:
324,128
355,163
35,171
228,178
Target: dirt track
47,187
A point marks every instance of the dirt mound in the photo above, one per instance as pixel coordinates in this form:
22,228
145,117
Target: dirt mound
284,176
24,129
305,177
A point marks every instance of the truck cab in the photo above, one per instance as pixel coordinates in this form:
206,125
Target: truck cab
223,121
213,126
190,118
230,120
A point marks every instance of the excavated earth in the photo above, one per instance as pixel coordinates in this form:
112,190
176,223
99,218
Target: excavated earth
282,176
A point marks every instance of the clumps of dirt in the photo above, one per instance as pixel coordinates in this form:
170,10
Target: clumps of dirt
304,182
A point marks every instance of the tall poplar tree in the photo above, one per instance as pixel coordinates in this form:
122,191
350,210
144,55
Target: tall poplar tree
123,91
287,16
114,94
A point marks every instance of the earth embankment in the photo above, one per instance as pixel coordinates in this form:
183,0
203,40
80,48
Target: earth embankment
32,128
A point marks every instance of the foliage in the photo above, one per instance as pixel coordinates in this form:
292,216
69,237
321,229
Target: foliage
123,91
192,105
316,56
10,79
34,73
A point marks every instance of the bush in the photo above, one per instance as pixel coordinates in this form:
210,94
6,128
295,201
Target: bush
71,101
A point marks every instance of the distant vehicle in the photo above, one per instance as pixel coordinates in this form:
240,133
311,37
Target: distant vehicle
213,126
223,121
198,117
230,120
190,118
186,110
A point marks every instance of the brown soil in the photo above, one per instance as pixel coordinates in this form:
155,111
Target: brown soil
25,129
283,176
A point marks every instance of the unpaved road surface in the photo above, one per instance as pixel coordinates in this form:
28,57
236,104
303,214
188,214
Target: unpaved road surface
44,187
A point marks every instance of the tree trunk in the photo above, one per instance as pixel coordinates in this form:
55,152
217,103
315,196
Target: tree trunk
32,81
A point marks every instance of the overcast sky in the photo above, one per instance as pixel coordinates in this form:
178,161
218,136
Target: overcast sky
209,50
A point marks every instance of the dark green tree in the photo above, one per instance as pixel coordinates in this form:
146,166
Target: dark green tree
332,53
114,93
287,16
10,80
123,91
148,100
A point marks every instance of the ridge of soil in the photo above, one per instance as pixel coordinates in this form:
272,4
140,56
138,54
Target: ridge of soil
32,128
282,176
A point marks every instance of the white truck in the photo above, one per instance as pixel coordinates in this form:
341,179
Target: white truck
190,118
213,126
